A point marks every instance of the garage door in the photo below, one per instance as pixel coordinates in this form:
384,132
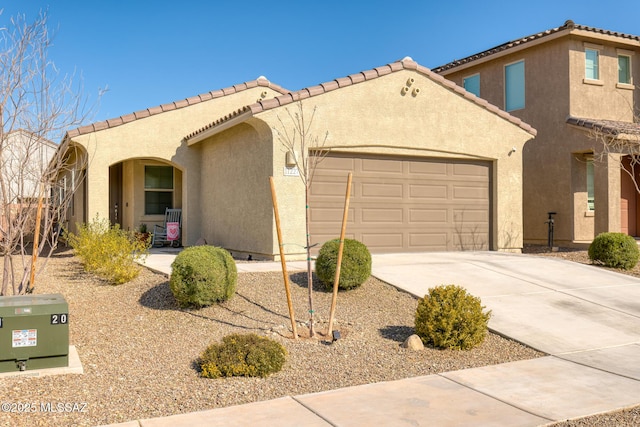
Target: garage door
403,205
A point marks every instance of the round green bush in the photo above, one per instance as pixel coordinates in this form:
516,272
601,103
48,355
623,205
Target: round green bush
354,269
449,317
203,275
248,355
616,250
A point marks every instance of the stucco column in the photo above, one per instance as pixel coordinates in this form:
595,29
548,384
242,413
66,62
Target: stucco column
607,193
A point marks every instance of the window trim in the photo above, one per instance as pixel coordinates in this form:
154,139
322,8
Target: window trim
590,178
158,190
470,77
598,49
524,80
628,54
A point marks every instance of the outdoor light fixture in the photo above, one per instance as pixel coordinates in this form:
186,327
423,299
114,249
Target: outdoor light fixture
336,335
290,159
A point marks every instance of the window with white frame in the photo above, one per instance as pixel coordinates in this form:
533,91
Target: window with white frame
624,69
158,189
592,64
514,86
590,188
472,84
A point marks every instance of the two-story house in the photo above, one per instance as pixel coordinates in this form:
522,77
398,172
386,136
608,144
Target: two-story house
572,83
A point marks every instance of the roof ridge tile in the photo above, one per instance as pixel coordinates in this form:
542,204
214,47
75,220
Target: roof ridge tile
151,111
567,26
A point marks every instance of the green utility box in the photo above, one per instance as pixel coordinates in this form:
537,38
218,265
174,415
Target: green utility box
34,332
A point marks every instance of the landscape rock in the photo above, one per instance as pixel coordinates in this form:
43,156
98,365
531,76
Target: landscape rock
413,343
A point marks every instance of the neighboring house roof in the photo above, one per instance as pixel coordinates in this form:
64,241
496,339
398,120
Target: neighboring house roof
110,123
568,28
618,129
31,136
404,64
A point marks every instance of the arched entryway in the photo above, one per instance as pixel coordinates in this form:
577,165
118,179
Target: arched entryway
141,189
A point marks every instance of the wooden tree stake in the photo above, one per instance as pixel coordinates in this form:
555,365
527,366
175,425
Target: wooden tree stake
285,275
340,248
36,242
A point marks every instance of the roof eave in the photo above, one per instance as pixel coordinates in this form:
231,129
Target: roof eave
502,53
579,32
214,130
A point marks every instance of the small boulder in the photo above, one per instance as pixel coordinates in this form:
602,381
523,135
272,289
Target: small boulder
413,343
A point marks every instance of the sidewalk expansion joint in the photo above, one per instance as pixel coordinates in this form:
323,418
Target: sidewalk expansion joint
313,411
495,398
593,367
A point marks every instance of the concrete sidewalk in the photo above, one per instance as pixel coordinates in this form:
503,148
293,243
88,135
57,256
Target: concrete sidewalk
586,318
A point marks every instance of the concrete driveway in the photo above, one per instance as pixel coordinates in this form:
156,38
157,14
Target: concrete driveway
579,312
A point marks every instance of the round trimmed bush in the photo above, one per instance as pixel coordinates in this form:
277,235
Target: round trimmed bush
248,355
616,250
449,317
354,269
203,275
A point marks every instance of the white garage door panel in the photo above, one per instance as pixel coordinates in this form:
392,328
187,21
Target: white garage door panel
403,205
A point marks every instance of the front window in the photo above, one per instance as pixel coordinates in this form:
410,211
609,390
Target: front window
472,84
514,86
590,192
158,189
624,69
592,64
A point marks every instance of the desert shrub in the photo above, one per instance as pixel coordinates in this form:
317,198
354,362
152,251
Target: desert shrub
203,275
449,317
354,269
108,251
248,355
616,250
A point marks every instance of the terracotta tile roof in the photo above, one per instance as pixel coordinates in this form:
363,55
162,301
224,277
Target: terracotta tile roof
567,27
611,127
110,123
404,64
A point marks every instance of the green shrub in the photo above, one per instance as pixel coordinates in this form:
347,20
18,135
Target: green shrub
203,275
354,269
449,317
615,250
108,251
248,355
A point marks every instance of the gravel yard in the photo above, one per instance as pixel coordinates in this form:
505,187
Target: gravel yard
138,348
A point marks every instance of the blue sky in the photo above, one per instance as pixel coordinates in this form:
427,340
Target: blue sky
152,52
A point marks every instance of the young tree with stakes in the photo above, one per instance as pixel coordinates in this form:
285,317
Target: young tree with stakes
307,149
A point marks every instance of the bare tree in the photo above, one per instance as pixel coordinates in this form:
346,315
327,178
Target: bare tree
306,149
619,139
37,105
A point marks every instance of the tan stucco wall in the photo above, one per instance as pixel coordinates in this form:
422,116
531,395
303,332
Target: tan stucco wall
554,169
375,117
158,137
235,195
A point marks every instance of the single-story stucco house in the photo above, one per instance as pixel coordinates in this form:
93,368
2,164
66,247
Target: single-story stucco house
434,167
